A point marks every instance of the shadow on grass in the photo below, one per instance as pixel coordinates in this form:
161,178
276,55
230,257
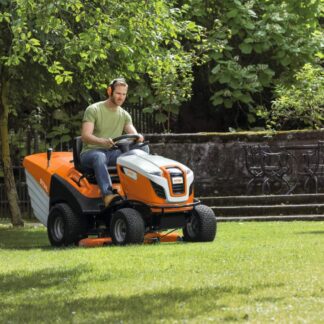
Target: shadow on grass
23,238
41,280
28,238
65,296
52,302
311,232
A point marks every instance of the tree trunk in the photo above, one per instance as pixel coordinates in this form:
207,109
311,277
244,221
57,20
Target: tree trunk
10,184
36,141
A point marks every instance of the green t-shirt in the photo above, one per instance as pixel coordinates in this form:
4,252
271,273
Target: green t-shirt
107,123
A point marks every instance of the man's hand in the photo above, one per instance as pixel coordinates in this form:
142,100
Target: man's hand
108,142
141,138
130,129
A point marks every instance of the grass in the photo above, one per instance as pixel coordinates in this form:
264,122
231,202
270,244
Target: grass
252,272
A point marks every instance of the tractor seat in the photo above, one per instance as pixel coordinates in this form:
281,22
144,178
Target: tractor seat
87,172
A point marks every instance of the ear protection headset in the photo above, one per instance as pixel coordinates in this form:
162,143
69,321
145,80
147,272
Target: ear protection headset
112,85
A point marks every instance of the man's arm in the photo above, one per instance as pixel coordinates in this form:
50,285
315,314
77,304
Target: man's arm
89,138
130,129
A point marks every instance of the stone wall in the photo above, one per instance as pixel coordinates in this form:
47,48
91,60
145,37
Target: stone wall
218,159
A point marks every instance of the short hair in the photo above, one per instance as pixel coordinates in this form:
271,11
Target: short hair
117,82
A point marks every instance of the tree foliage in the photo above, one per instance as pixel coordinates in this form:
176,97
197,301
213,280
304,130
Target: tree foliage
52,53
81,45
253,45
302,102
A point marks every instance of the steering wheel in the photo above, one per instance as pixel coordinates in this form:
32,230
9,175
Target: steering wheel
127,142
126,139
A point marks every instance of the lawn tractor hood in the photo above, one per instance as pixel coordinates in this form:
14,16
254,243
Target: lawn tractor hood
171,180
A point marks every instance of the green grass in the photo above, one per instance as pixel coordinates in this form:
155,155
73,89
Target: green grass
253,272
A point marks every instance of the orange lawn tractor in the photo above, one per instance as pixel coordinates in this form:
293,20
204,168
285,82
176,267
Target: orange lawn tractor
155,196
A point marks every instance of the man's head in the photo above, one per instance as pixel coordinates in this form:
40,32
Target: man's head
114,83
117,91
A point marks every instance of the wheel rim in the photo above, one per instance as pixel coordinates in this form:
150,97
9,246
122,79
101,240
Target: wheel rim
193,226
58,228
120,230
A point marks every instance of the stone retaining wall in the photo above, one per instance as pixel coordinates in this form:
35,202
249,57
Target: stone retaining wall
218,159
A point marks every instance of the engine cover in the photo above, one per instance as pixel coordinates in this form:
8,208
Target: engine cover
154,179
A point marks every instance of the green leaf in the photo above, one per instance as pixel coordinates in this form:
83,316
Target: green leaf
60,115
65,138
59,79
249,25
225,78
191,25
233,13
148,110
246,98
161,118
285,61
246,48
258,48
217,101
34,42
216,69
131,67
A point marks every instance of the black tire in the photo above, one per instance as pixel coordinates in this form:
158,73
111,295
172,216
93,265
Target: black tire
63,226
202,225
127,227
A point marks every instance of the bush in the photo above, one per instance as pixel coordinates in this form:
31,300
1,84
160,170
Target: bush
300,104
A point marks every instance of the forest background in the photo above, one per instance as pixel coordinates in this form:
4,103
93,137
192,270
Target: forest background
194,65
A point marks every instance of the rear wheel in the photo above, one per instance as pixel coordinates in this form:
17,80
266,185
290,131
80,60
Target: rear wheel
64,227
202,225
127,227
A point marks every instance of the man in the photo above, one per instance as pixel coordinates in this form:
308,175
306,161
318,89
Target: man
103,121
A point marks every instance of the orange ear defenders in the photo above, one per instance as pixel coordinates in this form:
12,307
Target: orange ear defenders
110,89
112,84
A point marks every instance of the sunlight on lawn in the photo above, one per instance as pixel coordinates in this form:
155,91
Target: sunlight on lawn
255,272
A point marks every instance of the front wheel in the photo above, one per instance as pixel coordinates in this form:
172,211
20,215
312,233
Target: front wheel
201,226
63,226
127,227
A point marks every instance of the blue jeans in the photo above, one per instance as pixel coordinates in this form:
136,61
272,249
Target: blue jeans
99,160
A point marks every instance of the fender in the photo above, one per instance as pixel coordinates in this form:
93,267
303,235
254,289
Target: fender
62,191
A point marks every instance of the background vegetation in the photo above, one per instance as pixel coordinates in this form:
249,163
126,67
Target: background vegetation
196,65
219,64
255,47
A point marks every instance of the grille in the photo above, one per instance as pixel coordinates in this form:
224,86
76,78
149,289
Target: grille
158,190
177,188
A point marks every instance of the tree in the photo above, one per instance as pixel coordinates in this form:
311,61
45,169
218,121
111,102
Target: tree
252,46
52,53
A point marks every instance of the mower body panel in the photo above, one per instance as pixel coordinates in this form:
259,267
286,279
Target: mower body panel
39,198
159,188
58,181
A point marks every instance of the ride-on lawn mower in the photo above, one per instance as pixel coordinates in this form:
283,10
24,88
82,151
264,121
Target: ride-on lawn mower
155,195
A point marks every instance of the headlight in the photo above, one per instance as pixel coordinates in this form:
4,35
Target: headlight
156,173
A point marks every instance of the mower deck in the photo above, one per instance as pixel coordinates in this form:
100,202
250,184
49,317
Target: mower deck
148,239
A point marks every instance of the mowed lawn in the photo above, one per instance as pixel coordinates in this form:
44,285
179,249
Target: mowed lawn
253,272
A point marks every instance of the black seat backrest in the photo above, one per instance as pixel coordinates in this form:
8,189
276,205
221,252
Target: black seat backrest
77,147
